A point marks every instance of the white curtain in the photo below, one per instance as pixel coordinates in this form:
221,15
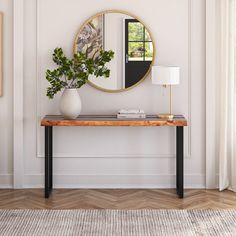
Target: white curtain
227,162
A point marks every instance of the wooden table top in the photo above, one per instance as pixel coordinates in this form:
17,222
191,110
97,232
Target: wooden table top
112,120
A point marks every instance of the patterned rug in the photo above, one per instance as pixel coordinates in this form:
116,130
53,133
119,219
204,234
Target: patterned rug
117,222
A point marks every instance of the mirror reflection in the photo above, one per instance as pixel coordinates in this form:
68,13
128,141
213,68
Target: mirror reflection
128,38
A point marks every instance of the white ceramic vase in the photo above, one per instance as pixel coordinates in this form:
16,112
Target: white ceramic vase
70,104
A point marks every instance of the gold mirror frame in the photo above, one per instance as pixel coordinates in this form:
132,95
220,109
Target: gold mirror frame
153,43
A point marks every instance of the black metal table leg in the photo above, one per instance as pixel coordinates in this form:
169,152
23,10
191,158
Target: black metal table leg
48,160
180,161
177,175
51,160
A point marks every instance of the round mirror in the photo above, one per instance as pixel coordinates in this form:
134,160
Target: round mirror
128,38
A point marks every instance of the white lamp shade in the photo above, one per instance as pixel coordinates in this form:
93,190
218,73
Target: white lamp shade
165,75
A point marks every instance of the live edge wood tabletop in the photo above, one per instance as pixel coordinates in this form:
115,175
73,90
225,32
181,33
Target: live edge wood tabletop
111,120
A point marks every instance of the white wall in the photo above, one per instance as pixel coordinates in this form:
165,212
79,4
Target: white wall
116,157
6,114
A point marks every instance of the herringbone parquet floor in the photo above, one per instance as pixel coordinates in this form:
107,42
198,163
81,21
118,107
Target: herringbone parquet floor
116,199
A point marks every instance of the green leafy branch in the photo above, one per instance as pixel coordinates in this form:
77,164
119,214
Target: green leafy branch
75,72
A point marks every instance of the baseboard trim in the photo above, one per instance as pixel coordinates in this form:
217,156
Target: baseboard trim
114,181
6,180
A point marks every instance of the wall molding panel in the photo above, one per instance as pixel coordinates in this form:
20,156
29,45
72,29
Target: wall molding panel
40,131
18,75
108,164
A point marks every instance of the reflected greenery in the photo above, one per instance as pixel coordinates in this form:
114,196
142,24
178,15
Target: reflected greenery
140,46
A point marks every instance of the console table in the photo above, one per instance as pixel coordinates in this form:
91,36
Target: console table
98,120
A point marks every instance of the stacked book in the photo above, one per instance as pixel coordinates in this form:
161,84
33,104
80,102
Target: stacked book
131,114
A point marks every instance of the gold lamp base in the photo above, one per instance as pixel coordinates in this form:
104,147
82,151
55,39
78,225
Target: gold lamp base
165,116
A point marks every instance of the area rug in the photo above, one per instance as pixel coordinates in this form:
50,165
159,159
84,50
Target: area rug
117,222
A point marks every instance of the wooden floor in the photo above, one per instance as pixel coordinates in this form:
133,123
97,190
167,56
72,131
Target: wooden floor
116,199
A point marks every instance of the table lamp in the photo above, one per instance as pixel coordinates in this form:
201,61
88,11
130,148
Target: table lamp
166,76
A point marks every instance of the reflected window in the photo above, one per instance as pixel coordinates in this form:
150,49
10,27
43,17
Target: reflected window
140,47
